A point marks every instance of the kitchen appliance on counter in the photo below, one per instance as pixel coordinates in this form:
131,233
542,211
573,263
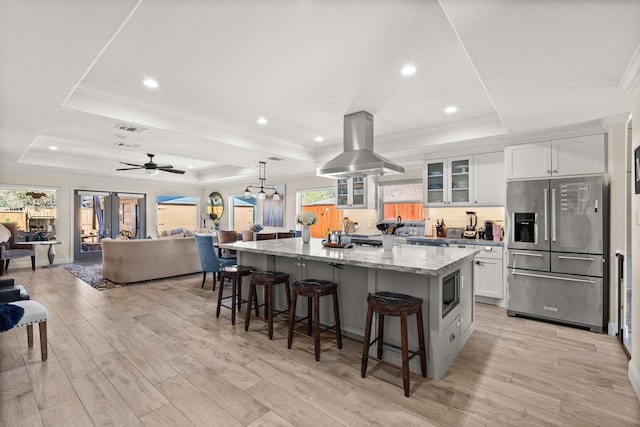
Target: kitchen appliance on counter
557,250
441,228
488,230
470,231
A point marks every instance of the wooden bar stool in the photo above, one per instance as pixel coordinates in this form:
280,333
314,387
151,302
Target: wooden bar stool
268,279
235,273
314,289
394,304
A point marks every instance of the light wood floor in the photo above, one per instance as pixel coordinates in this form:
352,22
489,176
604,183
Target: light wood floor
154,354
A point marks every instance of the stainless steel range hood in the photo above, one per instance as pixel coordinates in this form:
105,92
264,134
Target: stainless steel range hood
358,158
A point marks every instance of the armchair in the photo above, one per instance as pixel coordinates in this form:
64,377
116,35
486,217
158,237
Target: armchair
10,292
10,250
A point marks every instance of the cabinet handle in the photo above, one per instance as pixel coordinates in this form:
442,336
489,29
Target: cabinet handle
452,338
548,171
478,263
555,171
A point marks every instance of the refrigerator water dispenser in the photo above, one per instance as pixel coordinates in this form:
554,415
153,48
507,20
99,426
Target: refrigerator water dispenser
524,227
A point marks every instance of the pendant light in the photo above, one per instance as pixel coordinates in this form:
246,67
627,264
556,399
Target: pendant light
262,169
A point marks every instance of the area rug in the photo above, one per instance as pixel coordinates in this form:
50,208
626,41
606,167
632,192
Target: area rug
91,273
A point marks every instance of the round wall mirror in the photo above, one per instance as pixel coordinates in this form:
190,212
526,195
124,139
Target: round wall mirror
215,206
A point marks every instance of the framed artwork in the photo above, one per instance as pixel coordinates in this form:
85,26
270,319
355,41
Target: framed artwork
636,168
273,210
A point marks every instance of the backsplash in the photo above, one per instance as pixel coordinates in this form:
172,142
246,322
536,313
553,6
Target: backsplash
457,217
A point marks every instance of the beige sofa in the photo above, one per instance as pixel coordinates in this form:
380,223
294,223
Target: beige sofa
126,261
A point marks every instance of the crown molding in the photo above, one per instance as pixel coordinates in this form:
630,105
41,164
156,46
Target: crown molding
607,122
631,75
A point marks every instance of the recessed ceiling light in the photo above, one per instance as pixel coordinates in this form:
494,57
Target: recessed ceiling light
318,139
262,121
53,148
190,167
451,109
150,83
408,70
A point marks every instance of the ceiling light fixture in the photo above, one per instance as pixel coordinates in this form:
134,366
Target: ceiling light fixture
152,172
318,139
262,177
451,109
262,121
150,83
408,70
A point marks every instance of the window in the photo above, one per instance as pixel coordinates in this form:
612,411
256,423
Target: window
322,203
34,211
402,198
177,212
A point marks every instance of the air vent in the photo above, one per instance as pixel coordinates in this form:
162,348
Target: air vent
132,129
126,144
275,159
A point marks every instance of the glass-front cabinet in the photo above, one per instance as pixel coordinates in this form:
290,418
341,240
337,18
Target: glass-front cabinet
448,182
354,193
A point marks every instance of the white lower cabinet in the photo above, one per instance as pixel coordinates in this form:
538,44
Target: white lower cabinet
488,273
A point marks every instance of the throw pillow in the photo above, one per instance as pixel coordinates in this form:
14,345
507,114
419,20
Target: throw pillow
5,234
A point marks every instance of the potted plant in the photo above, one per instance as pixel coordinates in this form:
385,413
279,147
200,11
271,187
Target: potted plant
307,219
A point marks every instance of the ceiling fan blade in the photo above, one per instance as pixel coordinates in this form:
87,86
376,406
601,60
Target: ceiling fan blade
164,167
131,164
128,169
171,170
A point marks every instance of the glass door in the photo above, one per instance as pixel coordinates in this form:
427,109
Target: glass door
435,183
100,214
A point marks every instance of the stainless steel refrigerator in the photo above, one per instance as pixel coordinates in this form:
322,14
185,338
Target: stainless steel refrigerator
557,267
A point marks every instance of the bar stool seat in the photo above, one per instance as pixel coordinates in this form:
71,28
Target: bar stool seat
394,304
313,289
268,279
235,273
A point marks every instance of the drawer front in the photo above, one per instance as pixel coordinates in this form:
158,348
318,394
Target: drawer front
528,260
450,340
573,299
584,265
493,252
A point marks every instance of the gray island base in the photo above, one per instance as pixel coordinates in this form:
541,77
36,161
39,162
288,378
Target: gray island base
440,276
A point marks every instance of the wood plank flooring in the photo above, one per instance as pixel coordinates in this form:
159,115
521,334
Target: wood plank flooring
153,354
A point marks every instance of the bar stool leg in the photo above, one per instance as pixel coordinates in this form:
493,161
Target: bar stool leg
405,352
336,317
380,334
316,326
219,298
234,296
365,343
247,318
309,316
292,322
270,309
239,289
423,356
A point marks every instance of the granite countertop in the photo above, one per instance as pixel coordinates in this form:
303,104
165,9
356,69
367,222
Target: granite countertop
427,260
452,241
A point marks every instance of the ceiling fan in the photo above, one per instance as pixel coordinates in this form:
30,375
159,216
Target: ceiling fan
151,167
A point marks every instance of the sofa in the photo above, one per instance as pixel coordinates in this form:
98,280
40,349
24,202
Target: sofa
127,261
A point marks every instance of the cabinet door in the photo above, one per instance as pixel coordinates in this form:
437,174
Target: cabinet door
342,192
489,187
435,183
358,192
487,273
528,160
460,182
579,155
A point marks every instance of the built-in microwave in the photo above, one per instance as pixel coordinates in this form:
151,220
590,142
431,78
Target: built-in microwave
450,292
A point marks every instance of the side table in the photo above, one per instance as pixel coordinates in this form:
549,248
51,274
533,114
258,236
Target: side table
51,253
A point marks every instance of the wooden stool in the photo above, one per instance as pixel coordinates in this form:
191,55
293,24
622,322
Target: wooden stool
268,279
235,273
313,290
393,304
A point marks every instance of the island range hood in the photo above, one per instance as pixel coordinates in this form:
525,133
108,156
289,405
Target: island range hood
358,158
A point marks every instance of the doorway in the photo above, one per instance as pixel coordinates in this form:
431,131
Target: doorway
99,215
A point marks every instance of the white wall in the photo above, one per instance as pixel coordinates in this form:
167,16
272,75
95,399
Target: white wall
634,364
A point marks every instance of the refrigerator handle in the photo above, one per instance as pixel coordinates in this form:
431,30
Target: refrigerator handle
553,214
546,212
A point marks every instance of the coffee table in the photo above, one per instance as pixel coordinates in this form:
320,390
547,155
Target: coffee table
51,253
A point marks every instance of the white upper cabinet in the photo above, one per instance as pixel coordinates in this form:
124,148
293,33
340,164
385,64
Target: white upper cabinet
579,155
356,192
448,182
489,185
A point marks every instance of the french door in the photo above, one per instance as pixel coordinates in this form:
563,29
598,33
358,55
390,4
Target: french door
101,214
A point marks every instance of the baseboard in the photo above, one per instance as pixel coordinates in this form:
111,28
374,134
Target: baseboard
634,377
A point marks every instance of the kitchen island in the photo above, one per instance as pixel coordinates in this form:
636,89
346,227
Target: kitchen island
440,276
